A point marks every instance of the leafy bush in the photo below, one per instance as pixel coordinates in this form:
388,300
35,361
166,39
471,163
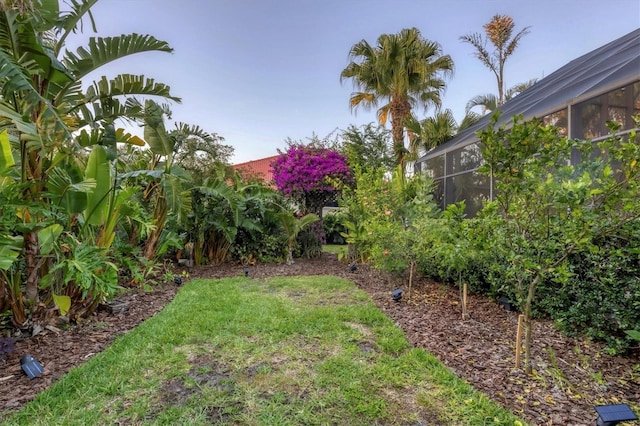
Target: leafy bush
552,216
253,247
601,299
310,240
333,225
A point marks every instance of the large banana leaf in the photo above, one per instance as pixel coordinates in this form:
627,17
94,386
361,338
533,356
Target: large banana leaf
6,155
20,39
67,187
154,174
178,199
10,249
105,110
123,136
98,169
219,188
102,50
16,82
127,84
155,133
47,16
47,238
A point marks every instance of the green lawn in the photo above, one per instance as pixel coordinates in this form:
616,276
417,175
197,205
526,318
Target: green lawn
287,351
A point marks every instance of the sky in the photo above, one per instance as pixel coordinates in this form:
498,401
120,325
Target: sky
259,72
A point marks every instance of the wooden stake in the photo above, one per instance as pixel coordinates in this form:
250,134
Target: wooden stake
519,340
464,301
410,277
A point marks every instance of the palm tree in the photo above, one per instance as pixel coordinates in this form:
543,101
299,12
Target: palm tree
490,102
434,131
499,31
292,226
402,71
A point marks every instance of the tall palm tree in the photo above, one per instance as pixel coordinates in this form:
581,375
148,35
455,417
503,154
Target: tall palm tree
402,71
499,31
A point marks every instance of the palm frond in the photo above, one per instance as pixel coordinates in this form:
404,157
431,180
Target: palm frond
469,119
488,102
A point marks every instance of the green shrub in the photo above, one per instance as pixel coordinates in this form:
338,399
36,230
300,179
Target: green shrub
601,299
333,225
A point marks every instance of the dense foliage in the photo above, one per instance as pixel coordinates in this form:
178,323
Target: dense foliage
561,240
61,196
368,148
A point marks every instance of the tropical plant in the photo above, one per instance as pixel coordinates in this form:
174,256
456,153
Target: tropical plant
431,132
402,71
47,115
490,103
292,226
200,153
499,31
167,190
380,218
225,207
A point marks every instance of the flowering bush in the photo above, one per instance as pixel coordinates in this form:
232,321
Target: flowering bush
307,172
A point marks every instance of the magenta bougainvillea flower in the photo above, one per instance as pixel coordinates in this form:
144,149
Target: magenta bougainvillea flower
304,169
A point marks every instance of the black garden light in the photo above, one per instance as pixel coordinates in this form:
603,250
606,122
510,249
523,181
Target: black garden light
353,267
611,415
246,272
397,295
31,367
507,304
177,280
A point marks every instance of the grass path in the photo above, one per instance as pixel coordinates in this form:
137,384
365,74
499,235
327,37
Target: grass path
287,351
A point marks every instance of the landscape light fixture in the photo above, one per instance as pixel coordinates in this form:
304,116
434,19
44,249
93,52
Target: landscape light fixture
353,267
397,295
246,272
507,304
31,367
177,280
611,415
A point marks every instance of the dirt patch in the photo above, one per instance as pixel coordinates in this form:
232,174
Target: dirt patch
571,375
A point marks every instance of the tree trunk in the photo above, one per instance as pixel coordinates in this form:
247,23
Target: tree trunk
400,109
31,251
290,256
159,220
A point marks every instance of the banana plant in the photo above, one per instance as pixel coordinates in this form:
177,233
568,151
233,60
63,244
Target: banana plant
43,105
166,192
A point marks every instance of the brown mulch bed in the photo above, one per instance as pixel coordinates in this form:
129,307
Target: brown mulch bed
570,377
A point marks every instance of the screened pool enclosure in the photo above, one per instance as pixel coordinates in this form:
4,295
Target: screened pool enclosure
579,98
